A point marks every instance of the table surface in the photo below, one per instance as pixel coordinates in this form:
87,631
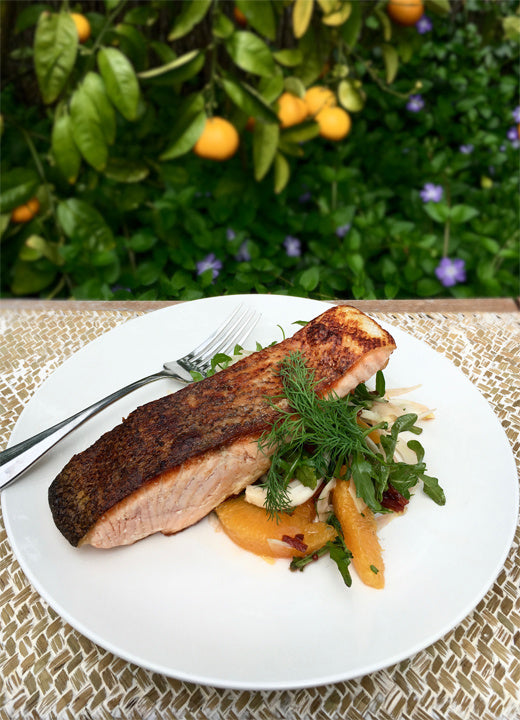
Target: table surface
49,670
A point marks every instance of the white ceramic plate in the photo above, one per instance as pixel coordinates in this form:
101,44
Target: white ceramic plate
196,607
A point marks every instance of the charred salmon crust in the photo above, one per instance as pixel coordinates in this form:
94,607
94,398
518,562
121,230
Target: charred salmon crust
173,460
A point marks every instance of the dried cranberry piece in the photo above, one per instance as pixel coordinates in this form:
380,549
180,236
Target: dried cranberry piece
393,500
295,542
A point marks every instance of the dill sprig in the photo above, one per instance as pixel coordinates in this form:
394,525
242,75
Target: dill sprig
325,427
323,432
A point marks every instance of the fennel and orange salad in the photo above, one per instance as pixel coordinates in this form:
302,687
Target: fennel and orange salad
340,468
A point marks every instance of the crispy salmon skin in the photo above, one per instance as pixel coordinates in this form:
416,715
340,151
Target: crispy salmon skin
173,460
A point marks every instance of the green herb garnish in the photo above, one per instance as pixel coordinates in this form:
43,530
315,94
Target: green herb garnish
323,434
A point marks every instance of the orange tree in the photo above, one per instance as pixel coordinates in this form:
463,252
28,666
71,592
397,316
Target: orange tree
121,96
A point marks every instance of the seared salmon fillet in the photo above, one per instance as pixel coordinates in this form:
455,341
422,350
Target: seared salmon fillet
173,460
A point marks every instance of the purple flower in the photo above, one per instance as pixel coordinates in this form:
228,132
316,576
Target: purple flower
423,25
305,197
415,103
230,234
293,246
210,262
450,272
512,134
467,149
342,230
516,114
431,193
243,254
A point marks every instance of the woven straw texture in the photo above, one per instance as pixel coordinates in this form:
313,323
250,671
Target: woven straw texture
48,670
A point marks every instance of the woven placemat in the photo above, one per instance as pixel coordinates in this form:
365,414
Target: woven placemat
49,670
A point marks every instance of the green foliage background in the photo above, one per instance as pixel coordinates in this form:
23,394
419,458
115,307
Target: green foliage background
102,133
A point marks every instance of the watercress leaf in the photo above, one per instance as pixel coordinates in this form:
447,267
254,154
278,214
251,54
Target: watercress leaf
433,489
362,476
306,473
341,555
403,423
380,383
417,448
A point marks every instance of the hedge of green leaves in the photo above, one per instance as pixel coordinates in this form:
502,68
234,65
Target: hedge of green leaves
420,200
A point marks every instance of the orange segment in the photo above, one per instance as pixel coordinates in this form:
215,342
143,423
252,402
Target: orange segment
360,533
251,528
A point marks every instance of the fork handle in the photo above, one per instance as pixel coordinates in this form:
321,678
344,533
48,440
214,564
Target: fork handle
17,459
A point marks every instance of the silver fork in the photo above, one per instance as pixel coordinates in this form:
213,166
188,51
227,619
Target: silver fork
234,330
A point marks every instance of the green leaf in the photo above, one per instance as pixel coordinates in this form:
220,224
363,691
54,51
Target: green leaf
294,86
87,130
433,489
120,81
385,21
265,143
439,212
192,12
338,17
260,15
222,26
126,171
83,223
250,53
55,49
288,58
462,213
302,14
248,100
29,279
442,7
391,59
282,172
64,149
511,26
351,30
94,87
17,187
133,44
188,136
301,133
271,88
310,278
177,70
29,16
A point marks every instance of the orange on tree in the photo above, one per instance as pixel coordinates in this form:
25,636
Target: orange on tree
334,122
82,26
405,12
292,110
24,213
219,140
318,97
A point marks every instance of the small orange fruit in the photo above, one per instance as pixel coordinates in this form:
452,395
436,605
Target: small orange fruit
318,97
334,122
24,213
405,12
82,26
251,528
219,140
239,17
292,110
250,124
